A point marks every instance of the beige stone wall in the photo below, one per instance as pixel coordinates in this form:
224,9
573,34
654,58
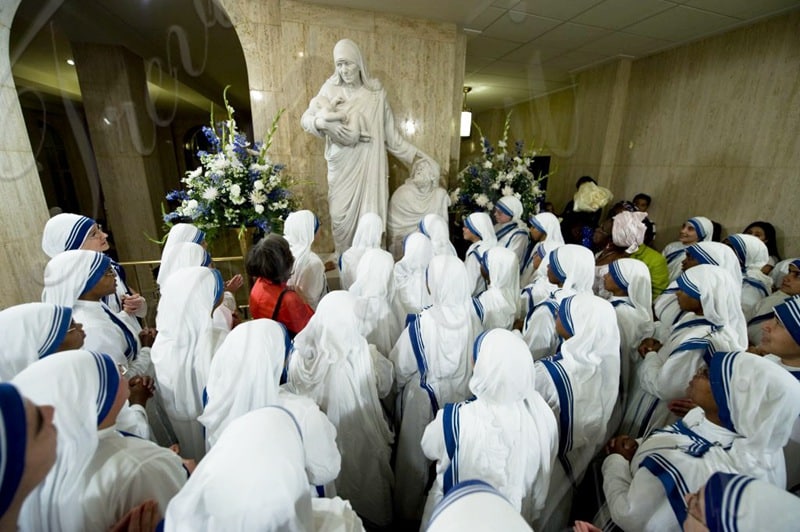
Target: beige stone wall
288,46
710,128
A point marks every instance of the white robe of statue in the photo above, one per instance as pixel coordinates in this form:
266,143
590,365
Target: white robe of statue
352,113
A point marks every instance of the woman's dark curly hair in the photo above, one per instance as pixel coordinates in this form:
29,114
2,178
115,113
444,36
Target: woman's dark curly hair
270,259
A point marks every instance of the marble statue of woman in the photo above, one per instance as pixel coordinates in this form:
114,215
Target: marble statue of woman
421,194
353,115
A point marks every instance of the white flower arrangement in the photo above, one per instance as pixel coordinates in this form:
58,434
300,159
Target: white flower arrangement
499,173
237,185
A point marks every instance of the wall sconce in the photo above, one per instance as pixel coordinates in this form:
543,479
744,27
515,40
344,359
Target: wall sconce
409,126
466,116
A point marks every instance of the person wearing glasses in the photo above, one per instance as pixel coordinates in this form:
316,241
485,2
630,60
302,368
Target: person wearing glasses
67,231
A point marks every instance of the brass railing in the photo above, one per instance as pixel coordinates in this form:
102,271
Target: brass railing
141,279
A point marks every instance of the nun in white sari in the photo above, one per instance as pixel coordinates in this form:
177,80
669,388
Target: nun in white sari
498,303
511,234
184,347
763,312
254,478
368,236
435,227
30,331
479,225
666,308
68,277
754,405
409,274
631,279
67,231
373,289
753,255
544,229
580,384
245,375
507,436
333,365
697,229
433,364
571,269
82,386
308,274
540,287
178,234
715,324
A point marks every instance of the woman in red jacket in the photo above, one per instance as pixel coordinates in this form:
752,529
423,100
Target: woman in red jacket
270,263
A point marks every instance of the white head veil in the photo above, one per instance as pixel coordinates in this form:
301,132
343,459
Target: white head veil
65,231
299,230
253,479
759,400
409,273
186,342
717,254
183,255
574,266
374,292
332,365
502,296
739,502
245,374
435,227
634,276
591,359
82,385
475,505
514,433
481,226
30,331
178,233
703,227
753,255
721,301
547,223
71,273
367,236
349,50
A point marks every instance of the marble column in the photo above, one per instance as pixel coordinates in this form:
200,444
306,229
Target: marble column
114,91
24,210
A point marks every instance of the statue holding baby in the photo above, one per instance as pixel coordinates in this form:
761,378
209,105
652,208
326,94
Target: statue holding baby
353,115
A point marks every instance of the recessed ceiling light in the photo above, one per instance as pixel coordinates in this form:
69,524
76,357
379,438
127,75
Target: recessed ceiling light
70,62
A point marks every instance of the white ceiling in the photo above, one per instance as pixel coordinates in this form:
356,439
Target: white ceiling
516,50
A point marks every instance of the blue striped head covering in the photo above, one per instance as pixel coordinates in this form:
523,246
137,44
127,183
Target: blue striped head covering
556,266
740,248
565,315
109,384
723,494
688,287
219,289
471,226
504,209
788,313
699,254
13,440
536,224
99,266
316,224
720,374
64,232
702,226
617,275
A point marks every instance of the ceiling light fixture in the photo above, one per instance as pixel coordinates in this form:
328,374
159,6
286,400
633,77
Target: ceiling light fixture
466,116
70,62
